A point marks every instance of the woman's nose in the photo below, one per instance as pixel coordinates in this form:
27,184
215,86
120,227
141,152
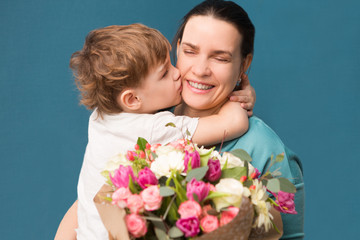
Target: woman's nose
201,67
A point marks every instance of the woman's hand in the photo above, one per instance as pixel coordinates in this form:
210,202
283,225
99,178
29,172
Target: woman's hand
246,96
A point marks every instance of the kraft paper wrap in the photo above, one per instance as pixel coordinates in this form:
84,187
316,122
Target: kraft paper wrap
238,229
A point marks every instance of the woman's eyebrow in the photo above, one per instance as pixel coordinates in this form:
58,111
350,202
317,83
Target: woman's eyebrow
191,45
216,52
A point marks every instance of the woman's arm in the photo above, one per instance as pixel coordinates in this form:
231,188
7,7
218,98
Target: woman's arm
246,95
66,229
231,122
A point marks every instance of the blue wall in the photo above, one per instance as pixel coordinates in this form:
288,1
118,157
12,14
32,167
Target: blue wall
305,72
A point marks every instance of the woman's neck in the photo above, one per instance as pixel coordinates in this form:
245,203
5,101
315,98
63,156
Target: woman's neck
184,109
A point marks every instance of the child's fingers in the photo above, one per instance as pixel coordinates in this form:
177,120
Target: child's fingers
241,98
248,106
250,113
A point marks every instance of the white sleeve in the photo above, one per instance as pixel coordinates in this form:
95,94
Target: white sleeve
162,134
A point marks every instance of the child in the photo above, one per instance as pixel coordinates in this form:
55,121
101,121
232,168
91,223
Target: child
125,76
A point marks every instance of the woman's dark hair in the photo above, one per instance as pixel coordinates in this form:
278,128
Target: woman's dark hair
227,11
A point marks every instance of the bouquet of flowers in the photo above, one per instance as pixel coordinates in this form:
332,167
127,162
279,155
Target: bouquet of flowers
179,191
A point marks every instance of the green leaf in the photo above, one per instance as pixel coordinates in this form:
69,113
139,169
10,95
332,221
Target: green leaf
197,173
160,234
188,133
132,186
273,185
195,197
170,124
242,154
156,221
286,185
142,143
166,191
235,172
174,232
154,155
279,158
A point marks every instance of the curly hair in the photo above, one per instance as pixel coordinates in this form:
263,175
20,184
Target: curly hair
115,58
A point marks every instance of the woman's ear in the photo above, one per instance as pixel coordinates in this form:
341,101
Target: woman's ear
129,101
247,62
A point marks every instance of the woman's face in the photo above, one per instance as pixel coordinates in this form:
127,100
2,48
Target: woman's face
209,61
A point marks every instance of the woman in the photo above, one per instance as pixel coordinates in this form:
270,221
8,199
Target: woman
217,65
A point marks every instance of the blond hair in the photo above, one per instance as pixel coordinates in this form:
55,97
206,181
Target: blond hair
114,58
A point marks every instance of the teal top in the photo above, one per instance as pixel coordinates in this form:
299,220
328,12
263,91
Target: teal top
260,141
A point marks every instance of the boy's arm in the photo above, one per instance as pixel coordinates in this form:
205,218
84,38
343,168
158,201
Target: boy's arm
231,121
66,229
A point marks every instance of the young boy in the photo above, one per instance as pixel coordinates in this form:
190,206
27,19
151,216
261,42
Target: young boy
125,76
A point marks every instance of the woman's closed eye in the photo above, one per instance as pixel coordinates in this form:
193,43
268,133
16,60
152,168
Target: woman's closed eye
189,52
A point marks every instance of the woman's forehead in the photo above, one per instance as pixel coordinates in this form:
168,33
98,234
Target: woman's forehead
211,33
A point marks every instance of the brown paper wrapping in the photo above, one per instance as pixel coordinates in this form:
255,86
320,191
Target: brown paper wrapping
239,228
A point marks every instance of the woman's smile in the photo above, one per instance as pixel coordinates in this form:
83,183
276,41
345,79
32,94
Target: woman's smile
196,86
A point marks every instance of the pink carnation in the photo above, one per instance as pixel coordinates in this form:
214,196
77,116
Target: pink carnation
120,196
228,215
189,208
178,144
135,204
209,223
136,225
151,198
286,202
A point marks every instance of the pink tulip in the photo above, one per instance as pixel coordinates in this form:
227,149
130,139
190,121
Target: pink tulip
146,177
193,158
121,176
200,188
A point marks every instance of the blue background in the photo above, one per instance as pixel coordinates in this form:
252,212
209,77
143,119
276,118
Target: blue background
305,72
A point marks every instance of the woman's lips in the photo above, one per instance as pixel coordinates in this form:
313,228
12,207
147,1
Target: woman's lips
199,87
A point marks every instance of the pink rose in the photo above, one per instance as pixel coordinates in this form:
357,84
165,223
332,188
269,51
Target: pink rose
146,177
200,188
189,208
136,225
120,196
209,223
151,198
135,204
189,226
205,210
178,144
286,202
228,215
192,159
121,176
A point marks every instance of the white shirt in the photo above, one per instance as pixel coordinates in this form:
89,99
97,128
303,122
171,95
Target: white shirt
109,136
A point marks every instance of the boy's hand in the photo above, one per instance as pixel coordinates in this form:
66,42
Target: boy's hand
246,96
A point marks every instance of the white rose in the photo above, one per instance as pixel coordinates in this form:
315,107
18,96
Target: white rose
116,161
164,150
164,164
235,190
233,161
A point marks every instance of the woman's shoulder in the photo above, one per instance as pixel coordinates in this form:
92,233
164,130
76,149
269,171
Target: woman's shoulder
261,131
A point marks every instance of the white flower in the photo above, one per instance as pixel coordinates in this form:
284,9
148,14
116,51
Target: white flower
233,161
235,190
164,150
163,164
258,198
116,161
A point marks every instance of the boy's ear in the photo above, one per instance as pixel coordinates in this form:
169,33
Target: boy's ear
129,101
